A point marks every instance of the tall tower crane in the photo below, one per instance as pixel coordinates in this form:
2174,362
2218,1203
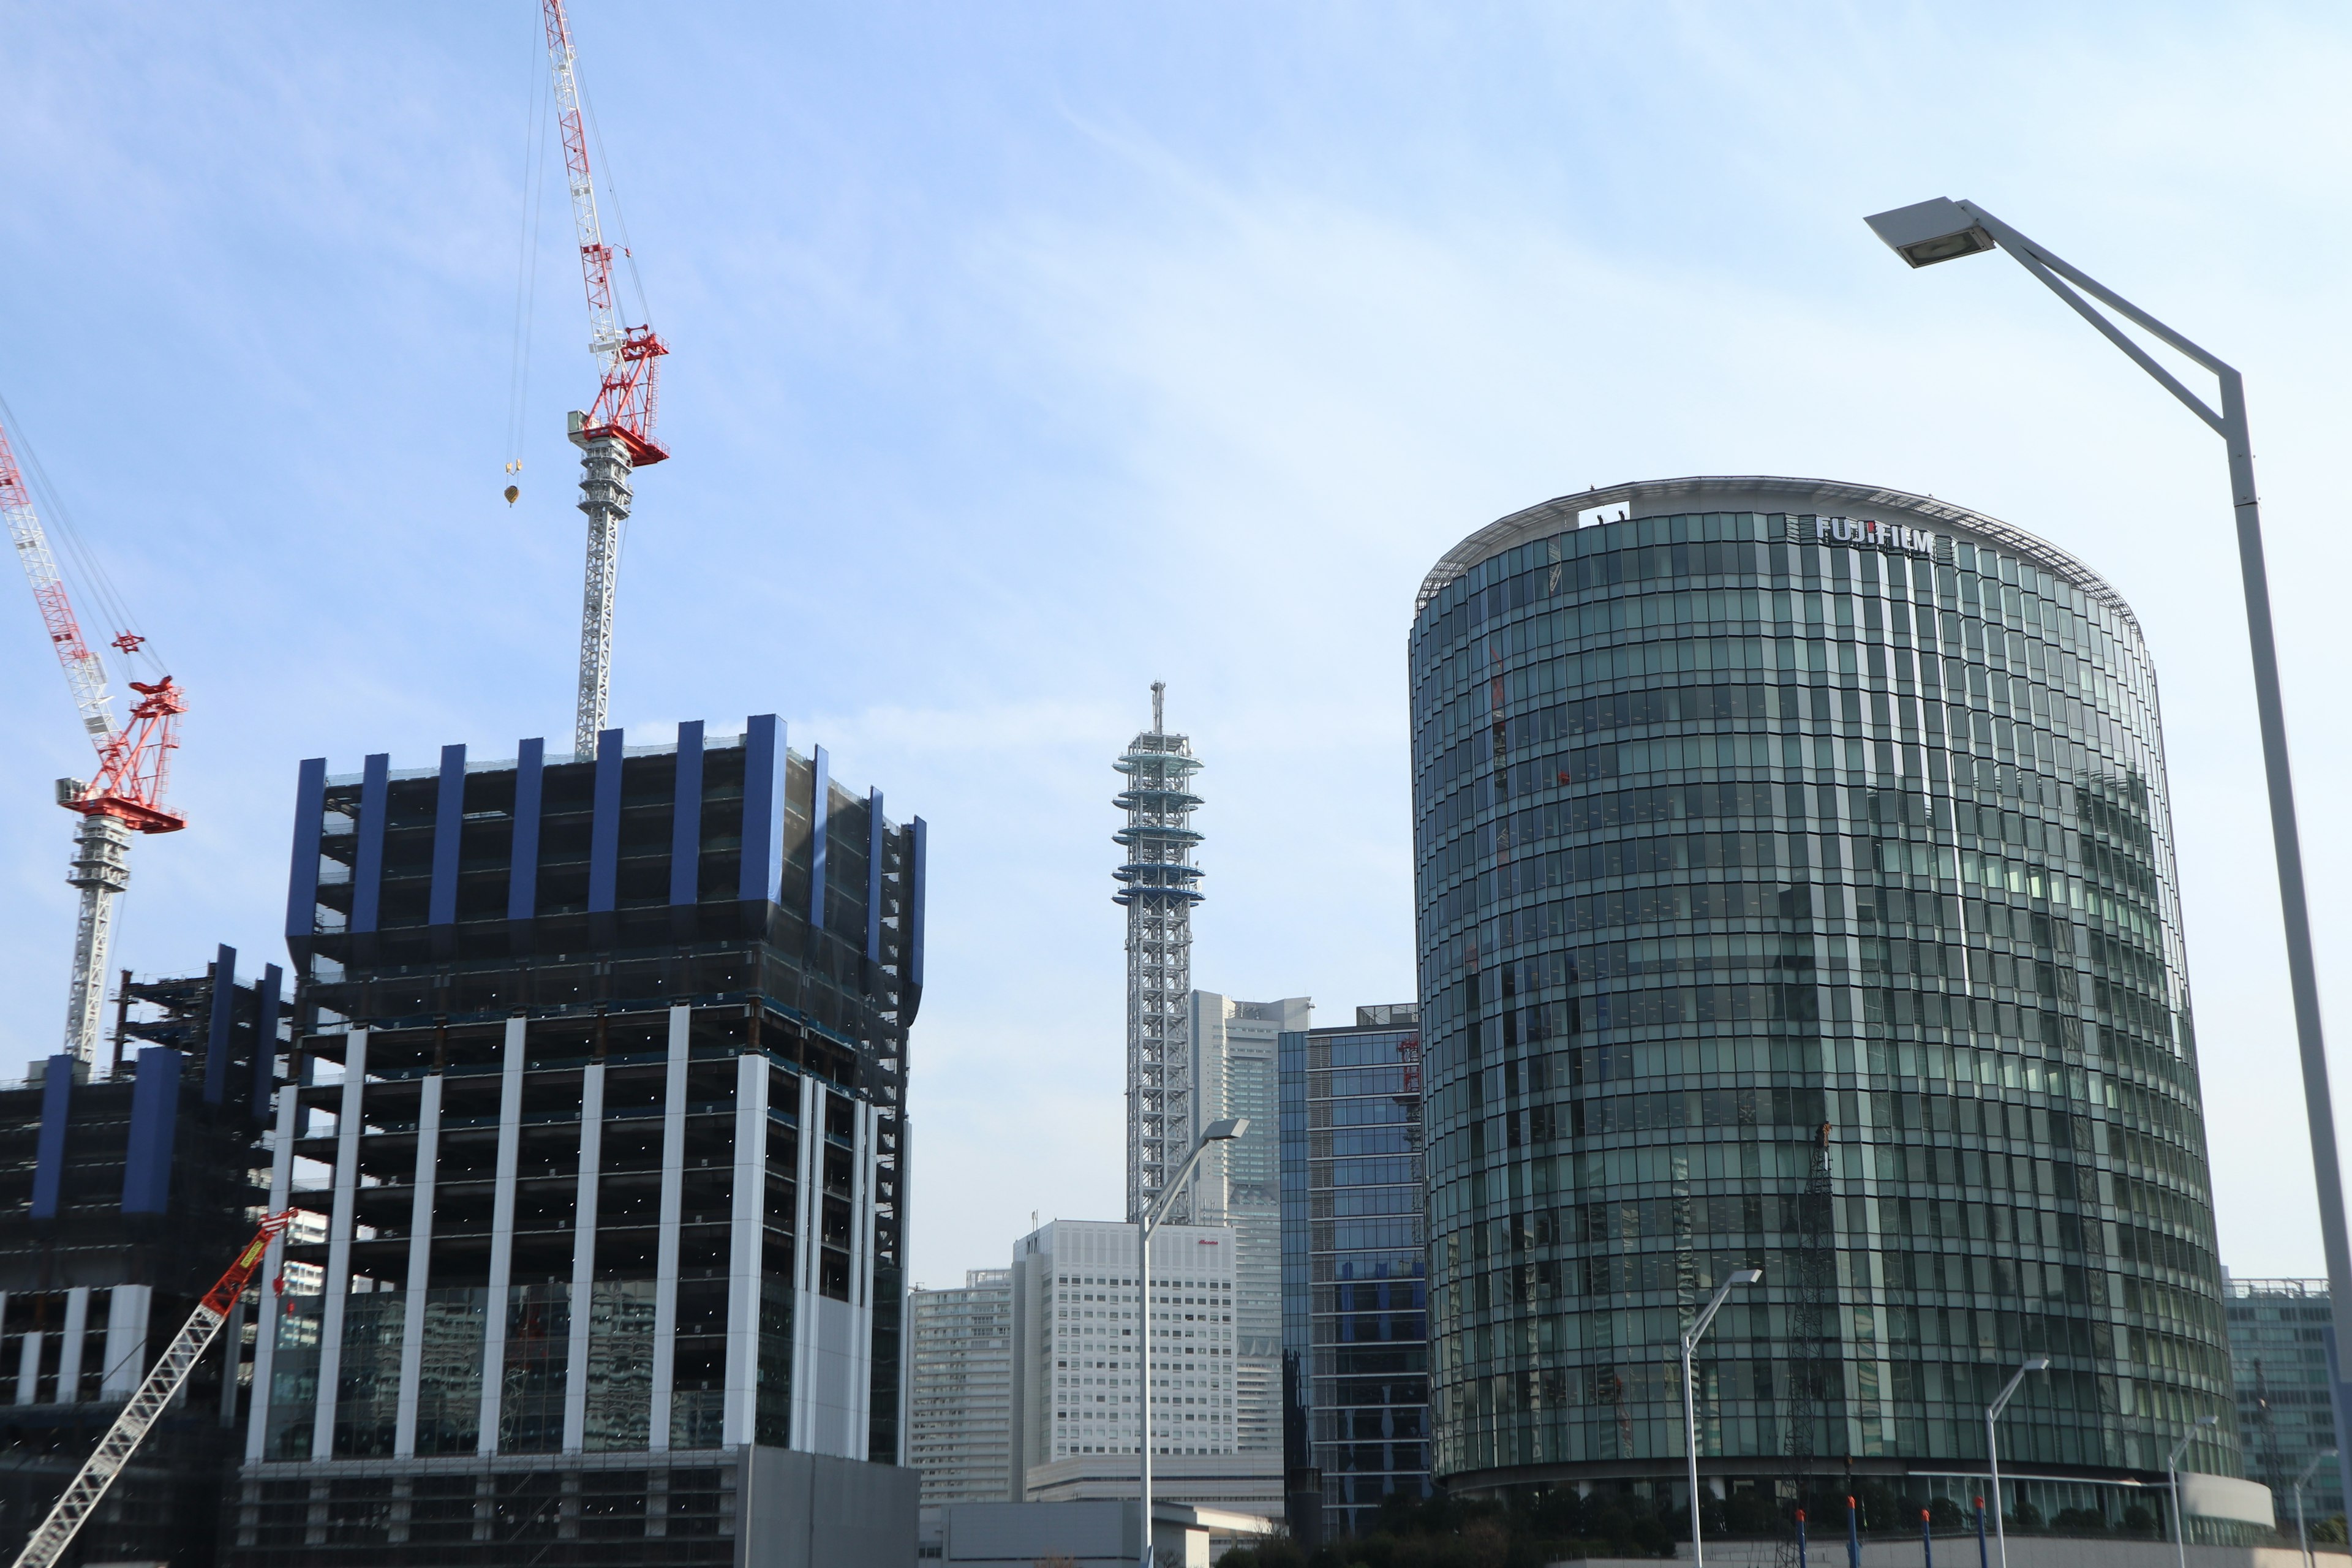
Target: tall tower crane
616,435
126,795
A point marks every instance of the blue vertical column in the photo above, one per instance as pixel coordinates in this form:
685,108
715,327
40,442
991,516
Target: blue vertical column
875,844
50,1154
367,875
685,816
448,835
604,829
154,1117
303,873
761,876
265,1041
918,834
820,799
522,865
221,1028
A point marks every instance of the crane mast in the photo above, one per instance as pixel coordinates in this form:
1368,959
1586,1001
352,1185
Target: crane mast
126,794
146,1406
615,435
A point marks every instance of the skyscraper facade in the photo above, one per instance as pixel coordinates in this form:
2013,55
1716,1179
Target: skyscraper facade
1159,884
598,1111
1080,1319
1747,806
2278,1350
1236,1073
1354,1268
960,1389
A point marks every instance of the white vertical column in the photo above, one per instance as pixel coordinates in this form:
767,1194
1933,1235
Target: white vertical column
861,1279
503,1228
126,1339
78,1329
265,1341
808,1206
28,1366
339,1243
673,1186
745,1233
420,1265
584,1258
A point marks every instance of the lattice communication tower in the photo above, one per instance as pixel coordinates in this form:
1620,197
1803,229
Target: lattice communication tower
1158,884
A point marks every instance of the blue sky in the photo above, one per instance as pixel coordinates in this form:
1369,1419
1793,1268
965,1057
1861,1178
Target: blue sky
1024,354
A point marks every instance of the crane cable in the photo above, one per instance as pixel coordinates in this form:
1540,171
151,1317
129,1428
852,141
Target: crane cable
89,582
534,204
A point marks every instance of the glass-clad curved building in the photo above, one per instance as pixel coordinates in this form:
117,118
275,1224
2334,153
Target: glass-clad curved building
1744,806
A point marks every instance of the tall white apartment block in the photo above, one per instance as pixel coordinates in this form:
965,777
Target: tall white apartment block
960,1389
1235,1072
1078,1322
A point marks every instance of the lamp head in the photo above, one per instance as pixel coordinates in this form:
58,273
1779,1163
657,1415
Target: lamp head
2209,1421
2039,1363
1747,1276
1927,232
1220,1131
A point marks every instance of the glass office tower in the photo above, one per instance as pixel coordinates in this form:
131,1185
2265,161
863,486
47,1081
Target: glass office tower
1745,805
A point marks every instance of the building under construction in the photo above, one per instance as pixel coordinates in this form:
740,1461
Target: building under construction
601,1140
124,1198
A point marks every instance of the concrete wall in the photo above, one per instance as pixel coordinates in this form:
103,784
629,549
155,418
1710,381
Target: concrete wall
811,1511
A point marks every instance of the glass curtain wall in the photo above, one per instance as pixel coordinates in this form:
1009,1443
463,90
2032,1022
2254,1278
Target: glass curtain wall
1732,824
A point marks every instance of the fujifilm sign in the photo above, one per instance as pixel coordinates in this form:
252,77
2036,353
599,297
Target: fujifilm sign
1869,531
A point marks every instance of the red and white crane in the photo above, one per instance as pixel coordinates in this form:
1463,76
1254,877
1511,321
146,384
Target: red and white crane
126,795
82,1495
616,435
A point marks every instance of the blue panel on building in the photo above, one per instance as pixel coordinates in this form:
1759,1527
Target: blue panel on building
219,1028
367,873
917,884
522,874
448,835
875,843
50,1156
685,816
820,803
154,1117
309,821
762,872
265,1041
605,832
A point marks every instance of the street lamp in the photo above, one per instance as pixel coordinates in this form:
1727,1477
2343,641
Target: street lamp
1942,230
2172,1480
1691,1336
1145,1224
1992,1447
2302,1536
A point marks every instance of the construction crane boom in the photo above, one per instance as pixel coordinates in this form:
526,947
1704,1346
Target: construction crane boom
126,795
615,435
145,1407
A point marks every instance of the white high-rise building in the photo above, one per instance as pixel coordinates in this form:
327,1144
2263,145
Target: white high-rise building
960,1389
1235,1072
1079,1318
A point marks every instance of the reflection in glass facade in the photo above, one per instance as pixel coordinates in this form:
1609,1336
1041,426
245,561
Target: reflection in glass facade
1354,1288
1778,803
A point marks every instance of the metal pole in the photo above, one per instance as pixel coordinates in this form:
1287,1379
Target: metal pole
1927,1539
2231,423
2302,1535
1804,1558
1690,1451
1980,1540
2172,1482
1853,1535
1143,1364
2000,1529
